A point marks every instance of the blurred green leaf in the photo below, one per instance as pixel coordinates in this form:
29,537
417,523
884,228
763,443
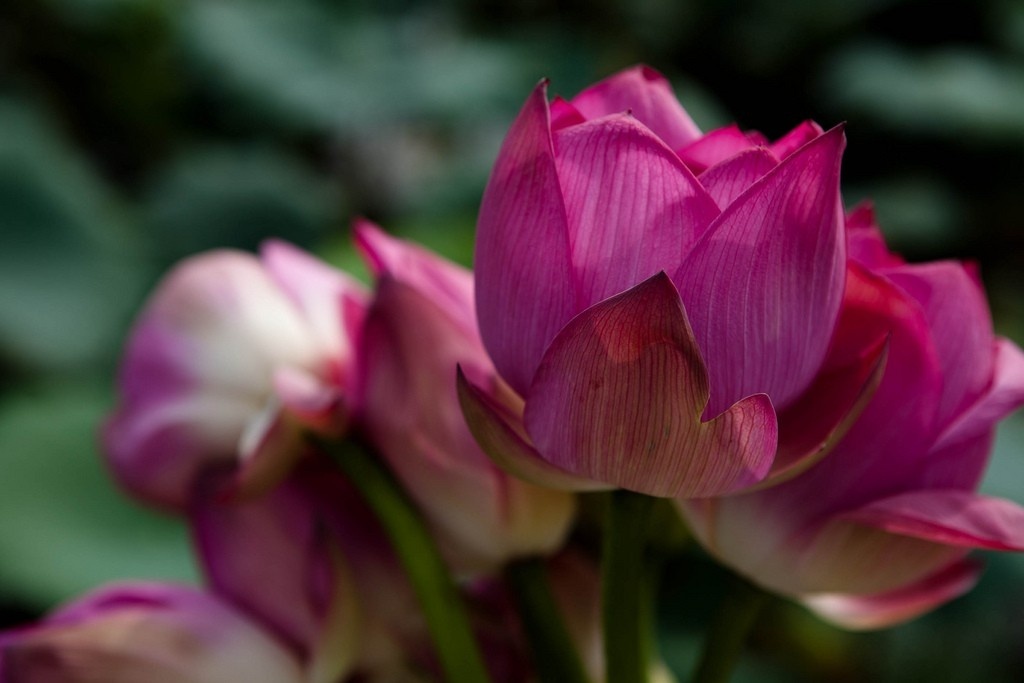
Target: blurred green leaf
236,197
949,92
93,12
65,528
1008,20
1005,474
297,61
68,268
914,210
766,39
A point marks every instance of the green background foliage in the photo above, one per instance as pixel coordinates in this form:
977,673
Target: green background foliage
136,132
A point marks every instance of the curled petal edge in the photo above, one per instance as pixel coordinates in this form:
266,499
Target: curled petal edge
842,395
949,517
880,610
495,429
1004,396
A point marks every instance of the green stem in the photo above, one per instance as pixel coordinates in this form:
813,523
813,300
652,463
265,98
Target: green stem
554,654
442,605
627,633
729,629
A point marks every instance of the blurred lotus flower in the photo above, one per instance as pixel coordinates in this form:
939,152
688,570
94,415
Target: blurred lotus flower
271,557
230,358
419,327
660,302
877,532
308,561
146,632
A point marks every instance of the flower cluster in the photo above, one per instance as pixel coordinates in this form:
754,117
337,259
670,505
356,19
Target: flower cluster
682,315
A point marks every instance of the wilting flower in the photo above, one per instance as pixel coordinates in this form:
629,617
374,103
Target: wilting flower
146,632
231,358
660,302
878,531
420,325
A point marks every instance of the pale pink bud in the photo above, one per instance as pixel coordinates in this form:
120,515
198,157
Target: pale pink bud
232,357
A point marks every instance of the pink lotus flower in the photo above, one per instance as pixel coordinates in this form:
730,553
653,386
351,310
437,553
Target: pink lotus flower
877,532
660,302
419,327
231,358
146,632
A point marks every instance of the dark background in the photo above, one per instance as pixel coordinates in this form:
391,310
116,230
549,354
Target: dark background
135,132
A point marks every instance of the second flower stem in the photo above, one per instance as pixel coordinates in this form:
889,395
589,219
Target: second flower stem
442,604
627,633
555,656
724,641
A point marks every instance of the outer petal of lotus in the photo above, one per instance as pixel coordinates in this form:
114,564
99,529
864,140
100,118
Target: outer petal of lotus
881,610
891,543
618,399
646,94
523,269
961,326
146,632
270,557
770,271
950,517
1004,395
494,414
197,370
632,208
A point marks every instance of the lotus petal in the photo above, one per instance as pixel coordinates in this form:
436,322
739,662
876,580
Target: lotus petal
727,180
646,94
795,139
1005,395
763,287
619,395
270,557
523,264
502,436
865,612
633,209
961,327
958,518
158,633
716,147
